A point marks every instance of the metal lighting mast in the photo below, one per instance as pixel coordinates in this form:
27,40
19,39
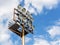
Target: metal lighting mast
21,23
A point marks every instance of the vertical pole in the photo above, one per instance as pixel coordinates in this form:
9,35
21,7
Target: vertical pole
23,36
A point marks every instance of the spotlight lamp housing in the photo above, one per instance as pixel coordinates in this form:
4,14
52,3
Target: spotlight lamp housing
23,20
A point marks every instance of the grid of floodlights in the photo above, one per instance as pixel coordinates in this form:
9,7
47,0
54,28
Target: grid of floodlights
23,17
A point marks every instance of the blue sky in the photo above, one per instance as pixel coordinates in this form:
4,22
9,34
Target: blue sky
46,14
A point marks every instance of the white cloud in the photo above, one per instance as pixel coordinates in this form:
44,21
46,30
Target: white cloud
39,41
43,41
7,6
54,31
9,42
40,4
3,34
6,12
55,42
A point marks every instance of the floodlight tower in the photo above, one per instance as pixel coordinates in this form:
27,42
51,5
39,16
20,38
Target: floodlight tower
21,23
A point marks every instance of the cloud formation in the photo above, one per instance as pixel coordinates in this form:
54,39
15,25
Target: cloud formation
7,5
43,41
39,41
3,33
54,31
6,13
37,6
